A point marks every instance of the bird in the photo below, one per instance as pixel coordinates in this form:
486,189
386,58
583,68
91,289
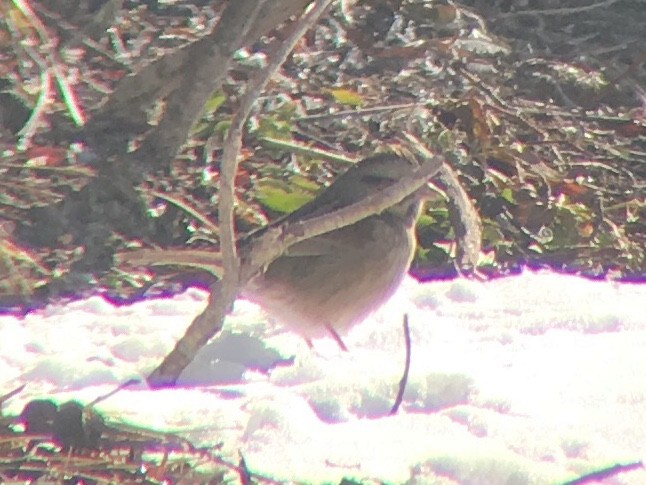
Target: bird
325,285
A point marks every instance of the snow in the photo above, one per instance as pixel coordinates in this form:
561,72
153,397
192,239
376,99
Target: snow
532,379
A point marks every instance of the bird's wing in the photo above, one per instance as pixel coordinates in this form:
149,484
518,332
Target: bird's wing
316,246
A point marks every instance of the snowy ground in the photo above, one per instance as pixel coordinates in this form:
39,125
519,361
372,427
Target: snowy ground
536,378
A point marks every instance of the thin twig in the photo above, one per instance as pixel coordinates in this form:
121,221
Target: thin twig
67,93
356,112
44,99
10,394
557,11
404,379
70,171
123,385
605,473
206,222
301,149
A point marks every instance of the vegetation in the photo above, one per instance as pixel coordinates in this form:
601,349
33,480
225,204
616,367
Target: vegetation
550,148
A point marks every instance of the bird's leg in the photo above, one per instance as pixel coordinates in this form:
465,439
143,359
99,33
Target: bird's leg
336,337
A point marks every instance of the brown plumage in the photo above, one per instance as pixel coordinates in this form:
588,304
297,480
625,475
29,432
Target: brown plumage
327,284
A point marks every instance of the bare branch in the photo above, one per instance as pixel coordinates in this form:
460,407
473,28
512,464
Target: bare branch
233,142
223,293
465,220
228,168
608,472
